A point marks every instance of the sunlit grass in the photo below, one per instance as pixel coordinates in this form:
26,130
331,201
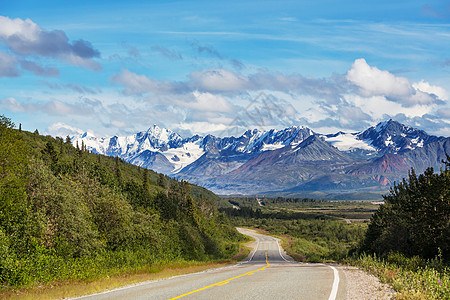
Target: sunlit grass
65,289
412,278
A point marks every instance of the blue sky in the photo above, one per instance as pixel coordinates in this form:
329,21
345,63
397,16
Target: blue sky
118,67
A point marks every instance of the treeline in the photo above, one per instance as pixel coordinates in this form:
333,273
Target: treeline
415,219
66,213
278,201
257,213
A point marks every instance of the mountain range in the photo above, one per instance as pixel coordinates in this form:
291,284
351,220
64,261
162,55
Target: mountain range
292,161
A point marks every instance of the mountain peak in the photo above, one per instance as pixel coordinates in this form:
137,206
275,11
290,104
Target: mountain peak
394,137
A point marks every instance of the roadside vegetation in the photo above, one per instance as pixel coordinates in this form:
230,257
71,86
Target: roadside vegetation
404,241
67,214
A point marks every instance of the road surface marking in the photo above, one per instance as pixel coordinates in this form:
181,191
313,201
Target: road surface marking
279,250
256,249
224,281
334,289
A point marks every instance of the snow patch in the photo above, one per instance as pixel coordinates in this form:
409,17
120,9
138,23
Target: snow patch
418,142
269,147
348,142
186,155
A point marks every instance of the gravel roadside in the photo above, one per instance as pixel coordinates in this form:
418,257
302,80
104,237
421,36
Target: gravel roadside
362,286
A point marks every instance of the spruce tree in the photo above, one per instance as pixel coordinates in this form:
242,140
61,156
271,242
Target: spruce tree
415,218
161,180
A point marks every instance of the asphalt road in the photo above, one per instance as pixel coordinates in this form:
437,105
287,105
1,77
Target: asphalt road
268,273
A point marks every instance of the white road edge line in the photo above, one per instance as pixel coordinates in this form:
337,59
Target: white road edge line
335,287
253,254
279,250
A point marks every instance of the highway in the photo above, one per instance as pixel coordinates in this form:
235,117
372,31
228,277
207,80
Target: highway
267,273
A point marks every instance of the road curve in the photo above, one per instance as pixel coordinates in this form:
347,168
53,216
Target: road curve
267,273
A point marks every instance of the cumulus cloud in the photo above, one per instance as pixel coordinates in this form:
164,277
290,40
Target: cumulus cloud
372,81
426,87
26,38
61,129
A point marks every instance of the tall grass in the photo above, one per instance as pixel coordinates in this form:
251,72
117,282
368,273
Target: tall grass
412,278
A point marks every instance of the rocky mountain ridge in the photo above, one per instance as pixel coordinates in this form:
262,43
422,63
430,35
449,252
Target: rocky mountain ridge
292,159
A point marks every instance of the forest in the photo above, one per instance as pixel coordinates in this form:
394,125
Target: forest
67,214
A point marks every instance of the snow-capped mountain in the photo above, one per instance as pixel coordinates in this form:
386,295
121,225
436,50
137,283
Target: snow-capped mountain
157,148
292,159
165,151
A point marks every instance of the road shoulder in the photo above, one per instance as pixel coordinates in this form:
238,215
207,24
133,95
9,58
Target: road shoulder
361,285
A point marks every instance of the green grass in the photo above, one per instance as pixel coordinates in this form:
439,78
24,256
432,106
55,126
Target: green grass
412,278
75,288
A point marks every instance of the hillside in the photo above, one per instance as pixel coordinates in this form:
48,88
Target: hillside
66,213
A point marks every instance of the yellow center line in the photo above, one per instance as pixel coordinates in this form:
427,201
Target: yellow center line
224,281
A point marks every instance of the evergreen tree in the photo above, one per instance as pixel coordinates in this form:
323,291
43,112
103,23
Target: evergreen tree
161,180
50,153
117,169
415,218
61,144
146,183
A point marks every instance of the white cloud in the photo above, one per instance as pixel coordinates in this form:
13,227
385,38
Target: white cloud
217,80
63,130
139,84
118,124
27,30
375,82
444,113
209,102
201,127
11,104
425,87
26,38
378,107
82,107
